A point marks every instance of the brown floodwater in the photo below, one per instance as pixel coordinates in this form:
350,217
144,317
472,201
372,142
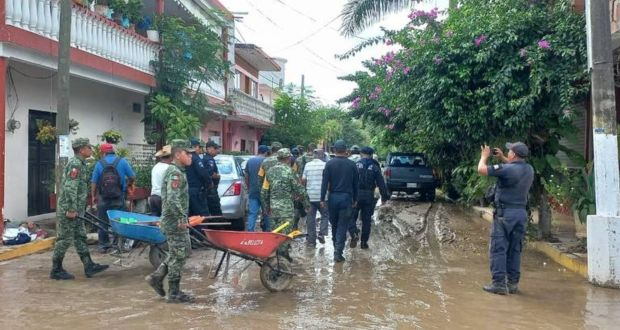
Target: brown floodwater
424,270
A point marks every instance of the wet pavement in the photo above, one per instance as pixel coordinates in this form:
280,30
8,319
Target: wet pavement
424,270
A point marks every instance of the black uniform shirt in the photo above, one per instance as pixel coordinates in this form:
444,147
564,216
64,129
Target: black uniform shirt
197,174
211,166
340,175
513,182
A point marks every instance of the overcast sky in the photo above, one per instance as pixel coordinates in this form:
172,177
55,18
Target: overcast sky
301,32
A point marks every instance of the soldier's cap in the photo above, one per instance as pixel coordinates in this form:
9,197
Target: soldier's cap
194,142
284,153
263,149
212,144
164,152
276,145
367,151
203,144
181,144
106,148
355,148
80,142
519,148
340,145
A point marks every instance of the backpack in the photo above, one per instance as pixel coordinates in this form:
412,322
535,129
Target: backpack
110,181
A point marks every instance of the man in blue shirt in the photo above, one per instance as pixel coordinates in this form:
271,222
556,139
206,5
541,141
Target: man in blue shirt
254,185
514,180
109,187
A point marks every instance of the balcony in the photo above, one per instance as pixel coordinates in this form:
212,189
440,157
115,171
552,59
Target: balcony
90,32
252,110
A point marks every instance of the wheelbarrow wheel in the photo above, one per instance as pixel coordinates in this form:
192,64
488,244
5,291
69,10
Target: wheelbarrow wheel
272,278
158,253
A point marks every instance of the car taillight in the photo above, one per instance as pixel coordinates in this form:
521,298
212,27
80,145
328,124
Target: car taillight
233,190
388,173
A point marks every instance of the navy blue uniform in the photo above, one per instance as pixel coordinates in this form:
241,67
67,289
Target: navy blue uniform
370,177
197,178
510,219
213,199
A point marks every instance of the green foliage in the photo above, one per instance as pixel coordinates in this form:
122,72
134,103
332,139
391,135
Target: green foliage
472,187
491,72
176,123
130,9
112,136
359,14
143,171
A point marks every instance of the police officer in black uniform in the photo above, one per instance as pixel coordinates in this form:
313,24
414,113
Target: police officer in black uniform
213,199
370,177
514,179
197,178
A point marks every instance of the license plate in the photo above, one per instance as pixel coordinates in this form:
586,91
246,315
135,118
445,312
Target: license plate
412,185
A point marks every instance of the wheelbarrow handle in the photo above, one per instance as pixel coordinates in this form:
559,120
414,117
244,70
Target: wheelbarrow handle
97,223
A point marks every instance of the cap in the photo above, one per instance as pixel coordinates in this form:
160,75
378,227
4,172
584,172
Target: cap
80,142
295,152
340,145
182,144
194,142
212,144
319,153
106,148
263,149
276,145
367,151
165,151
519,148
202,143
355,148
284,153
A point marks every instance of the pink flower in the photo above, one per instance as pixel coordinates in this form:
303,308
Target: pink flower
478,41
388,58
388,75
544,44
356,102
406,70
421,13
438,60
378,61
389,42
373,96
378,90
436,39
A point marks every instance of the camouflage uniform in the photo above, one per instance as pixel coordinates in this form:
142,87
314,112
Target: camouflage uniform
280,188
269,162
72,198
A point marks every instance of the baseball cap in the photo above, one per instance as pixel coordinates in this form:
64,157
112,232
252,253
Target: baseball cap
284,153
355,148
519,148
367,151
181,144
106,148
212,144
80,142
262,149
295,151
194,142
165,151
340,145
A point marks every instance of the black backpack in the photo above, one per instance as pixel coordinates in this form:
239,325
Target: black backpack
110,181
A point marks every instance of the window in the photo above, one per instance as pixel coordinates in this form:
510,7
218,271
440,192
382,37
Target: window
237,80
407,161
254,89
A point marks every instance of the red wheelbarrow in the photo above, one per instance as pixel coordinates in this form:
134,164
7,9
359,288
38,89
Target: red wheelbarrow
259,247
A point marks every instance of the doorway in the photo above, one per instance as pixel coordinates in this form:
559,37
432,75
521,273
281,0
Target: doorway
41,160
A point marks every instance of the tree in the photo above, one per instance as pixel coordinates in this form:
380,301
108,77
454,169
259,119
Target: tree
491,72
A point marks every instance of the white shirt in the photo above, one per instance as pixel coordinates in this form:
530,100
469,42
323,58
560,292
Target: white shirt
313,174
157,178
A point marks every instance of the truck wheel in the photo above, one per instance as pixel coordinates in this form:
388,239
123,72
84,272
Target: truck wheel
430,195
157,254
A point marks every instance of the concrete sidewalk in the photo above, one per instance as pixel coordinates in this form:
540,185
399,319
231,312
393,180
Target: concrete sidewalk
577,263
8,252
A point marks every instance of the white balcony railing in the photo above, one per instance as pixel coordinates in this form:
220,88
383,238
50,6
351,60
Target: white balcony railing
89,32
213,88
247,105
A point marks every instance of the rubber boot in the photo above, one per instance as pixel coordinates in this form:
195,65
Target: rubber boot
513,287
58,273
354,239
156,279
175,295
91,268
497,288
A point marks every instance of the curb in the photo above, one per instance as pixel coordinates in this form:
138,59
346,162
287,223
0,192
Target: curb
567,260
17,251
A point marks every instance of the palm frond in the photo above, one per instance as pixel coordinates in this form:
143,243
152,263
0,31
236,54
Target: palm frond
359,14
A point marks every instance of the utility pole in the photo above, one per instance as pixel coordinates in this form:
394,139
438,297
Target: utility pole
303,86
62,111
604,227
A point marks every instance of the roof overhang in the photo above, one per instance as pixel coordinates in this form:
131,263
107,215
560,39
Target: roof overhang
256,57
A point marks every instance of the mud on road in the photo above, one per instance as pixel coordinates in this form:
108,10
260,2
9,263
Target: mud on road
424,270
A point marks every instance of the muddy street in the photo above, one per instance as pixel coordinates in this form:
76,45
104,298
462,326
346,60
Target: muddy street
424,269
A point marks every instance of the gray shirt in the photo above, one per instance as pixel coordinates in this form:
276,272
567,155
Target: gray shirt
513,182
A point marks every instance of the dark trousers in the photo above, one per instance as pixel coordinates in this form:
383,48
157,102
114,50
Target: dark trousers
365,208
340,207
155,205
507,235
213,201
197,202
103,205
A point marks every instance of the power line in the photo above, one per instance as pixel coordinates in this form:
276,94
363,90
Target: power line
311,34
264,15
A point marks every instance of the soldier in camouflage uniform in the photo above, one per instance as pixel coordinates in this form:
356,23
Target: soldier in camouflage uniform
305,159
280,189
270,161
174,224
71,206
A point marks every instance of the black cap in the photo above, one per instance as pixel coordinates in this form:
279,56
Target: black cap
340,145
519,148
212,144
194,142
367,151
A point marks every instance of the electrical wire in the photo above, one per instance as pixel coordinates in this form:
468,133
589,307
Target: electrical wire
31,76
310,35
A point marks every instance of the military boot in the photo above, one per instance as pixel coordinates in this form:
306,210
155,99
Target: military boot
513,287
58,273
156,279
91,268
175,295
496,287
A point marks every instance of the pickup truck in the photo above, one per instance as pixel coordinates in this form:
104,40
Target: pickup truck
410,172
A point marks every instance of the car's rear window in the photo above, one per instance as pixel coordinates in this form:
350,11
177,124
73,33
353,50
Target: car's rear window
407,161
226,167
